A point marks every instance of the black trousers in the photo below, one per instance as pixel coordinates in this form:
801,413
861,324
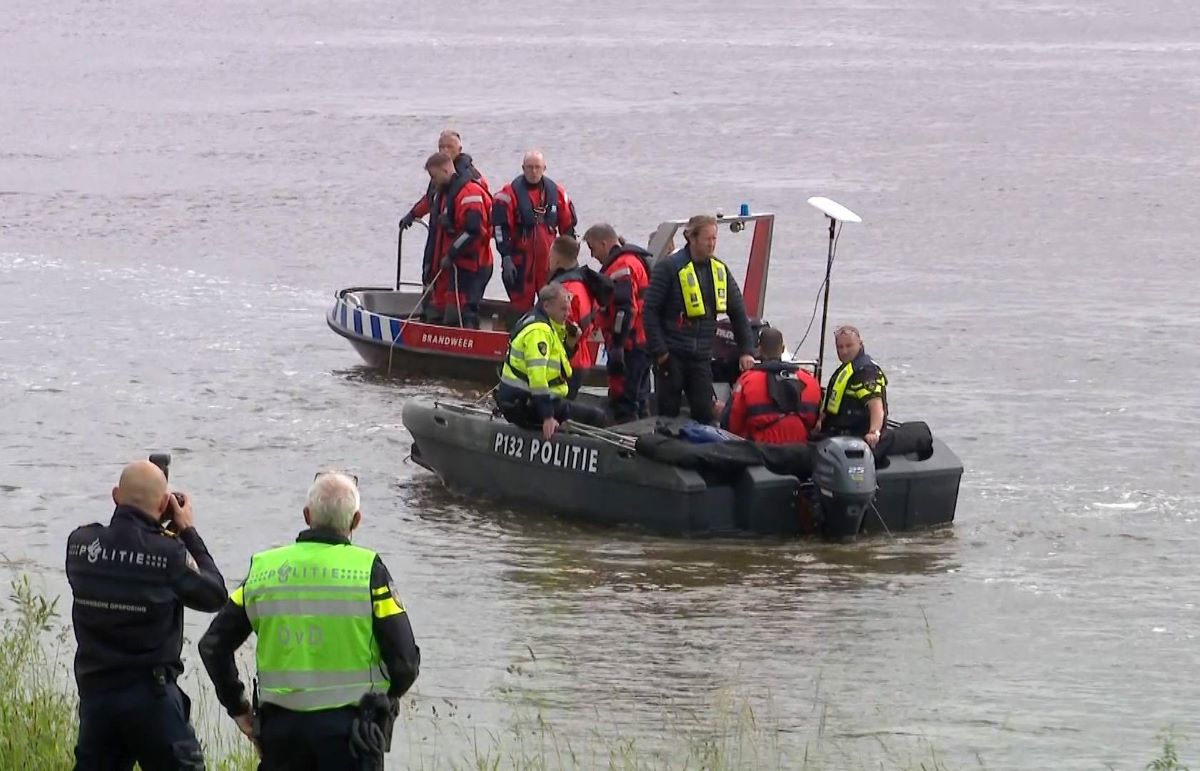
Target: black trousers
629,392
306,741
517,408
690,375
143,722
574,383
466,294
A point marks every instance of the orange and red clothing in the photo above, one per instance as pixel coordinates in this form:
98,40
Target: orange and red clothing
526,219
621,323
583,313
431,201
461,248
774,405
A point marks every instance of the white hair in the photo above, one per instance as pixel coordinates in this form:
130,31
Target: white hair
553,291
332,501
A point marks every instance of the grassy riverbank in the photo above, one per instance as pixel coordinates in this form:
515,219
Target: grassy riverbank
38,724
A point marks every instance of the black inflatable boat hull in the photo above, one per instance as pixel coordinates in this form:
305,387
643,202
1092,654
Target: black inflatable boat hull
590,479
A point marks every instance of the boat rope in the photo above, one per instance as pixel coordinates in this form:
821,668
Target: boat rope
880,517
624,441
458,298
817,300
488,393
404,323
461,407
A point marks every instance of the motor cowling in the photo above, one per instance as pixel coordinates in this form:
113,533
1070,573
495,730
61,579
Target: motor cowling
844,480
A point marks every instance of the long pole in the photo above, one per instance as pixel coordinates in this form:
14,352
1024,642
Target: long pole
825,308
399,244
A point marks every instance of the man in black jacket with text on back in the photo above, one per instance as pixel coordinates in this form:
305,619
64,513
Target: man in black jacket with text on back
131,580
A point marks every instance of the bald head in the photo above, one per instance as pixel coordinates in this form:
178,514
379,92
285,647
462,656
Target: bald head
534,167
770,343
143,486
848,341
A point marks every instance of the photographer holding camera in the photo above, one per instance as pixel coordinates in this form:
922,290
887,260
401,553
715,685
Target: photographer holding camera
130,581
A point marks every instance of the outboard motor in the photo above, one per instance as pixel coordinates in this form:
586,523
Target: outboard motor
844,480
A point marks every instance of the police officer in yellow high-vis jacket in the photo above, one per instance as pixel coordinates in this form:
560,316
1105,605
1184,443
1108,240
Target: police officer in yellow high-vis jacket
534,381
330,630
855,401
688,291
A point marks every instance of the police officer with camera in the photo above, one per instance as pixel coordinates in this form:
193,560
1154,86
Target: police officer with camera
130,581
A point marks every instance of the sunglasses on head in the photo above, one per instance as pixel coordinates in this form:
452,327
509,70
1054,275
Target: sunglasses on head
320,474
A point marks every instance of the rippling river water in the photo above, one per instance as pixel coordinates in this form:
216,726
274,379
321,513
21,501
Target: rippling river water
181,189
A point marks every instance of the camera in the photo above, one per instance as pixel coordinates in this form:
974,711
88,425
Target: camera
163,461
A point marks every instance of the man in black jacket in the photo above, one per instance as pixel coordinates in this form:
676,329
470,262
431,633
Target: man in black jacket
687,291
130,581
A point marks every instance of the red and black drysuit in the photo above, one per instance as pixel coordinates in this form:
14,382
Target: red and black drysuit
589,291
773,404
623,326
459,257
464,166
526,219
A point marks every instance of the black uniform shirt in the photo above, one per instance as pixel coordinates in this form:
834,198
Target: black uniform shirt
130,582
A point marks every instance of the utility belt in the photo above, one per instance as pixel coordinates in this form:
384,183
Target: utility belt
833,427
159,676
374,718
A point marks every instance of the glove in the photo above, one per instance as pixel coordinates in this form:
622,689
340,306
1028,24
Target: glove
508,272
371,729
616,361
447,262
366,740
407,221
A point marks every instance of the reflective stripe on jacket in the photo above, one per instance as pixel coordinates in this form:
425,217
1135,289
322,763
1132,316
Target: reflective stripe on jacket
537,361
693,298
623,322
311,606
851,386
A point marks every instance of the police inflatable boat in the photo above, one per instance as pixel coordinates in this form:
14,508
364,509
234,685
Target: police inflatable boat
642,474
647,473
